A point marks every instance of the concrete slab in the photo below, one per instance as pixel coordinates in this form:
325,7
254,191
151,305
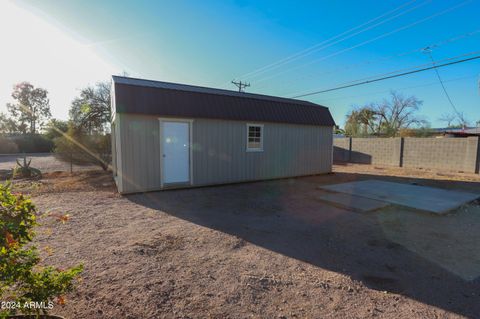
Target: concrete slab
430,199
349,201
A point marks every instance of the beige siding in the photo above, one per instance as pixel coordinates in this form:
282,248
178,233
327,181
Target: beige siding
114,151
220,156
140,153
219,152
116,145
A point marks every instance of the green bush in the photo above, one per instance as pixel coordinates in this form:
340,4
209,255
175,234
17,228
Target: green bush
33,143
55,128
22,279
7,146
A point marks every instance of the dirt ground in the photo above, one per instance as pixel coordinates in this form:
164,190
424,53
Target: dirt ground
260,250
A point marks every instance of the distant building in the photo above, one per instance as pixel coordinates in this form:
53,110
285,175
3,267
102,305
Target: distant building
459,132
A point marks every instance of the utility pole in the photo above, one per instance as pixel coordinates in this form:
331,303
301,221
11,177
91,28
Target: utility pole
241,85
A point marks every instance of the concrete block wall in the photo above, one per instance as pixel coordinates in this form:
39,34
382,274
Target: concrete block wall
453,154
382,151
341,149
478,159
473,155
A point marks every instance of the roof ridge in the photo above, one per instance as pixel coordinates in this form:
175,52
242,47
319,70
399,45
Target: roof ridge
198,89
180,100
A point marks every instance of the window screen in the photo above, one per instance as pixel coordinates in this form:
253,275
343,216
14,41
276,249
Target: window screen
255,137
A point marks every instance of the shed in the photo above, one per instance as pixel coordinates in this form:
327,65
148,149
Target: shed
168,135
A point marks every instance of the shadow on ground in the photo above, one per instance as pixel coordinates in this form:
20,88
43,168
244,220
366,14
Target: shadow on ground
284,216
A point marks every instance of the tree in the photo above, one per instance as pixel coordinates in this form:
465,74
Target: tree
31,108
461,121
448,118
338,130
385,118
91,110
361,122
397,113
7,125
55,128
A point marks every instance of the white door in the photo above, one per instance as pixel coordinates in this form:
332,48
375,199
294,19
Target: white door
176,152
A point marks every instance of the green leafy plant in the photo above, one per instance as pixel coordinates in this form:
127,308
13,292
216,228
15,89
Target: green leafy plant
23,281
25,170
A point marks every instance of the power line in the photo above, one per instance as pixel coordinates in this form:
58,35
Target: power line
428,51
241,85
399,70
323,45
388,77
403,88
413,67
308,50
367,41
434,45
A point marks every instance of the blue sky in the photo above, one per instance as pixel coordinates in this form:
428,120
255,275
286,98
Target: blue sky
209,43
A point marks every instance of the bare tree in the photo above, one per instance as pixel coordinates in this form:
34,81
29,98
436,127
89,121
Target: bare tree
448,118
455,120
462,121
385,118
396,113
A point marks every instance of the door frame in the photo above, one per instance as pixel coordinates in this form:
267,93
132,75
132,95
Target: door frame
161,121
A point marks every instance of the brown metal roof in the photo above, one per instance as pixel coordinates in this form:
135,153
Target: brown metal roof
179,100
463,132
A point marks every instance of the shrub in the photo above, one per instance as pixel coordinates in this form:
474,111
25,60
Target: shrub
83,149
33,143
22,279
7,146
55,128
25,170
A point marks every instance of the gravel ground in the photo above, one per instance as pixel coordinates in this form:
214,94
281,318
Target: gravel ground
258,250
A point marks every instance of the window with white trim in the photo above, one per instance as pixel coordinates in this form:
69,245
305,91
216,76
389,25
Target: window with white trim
254,137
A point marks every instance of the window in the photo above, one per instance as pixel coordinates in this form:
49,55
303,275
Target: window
254,137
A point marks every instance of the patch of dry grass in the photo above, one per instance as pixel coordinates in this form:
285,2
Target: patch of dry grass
60,182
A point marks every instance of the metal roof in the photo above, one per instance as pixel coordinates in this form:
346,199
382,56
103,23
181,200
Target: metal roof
179,100
470,131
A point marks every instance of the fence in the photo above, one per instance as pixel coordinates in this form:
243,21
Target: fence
45,162
453,154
